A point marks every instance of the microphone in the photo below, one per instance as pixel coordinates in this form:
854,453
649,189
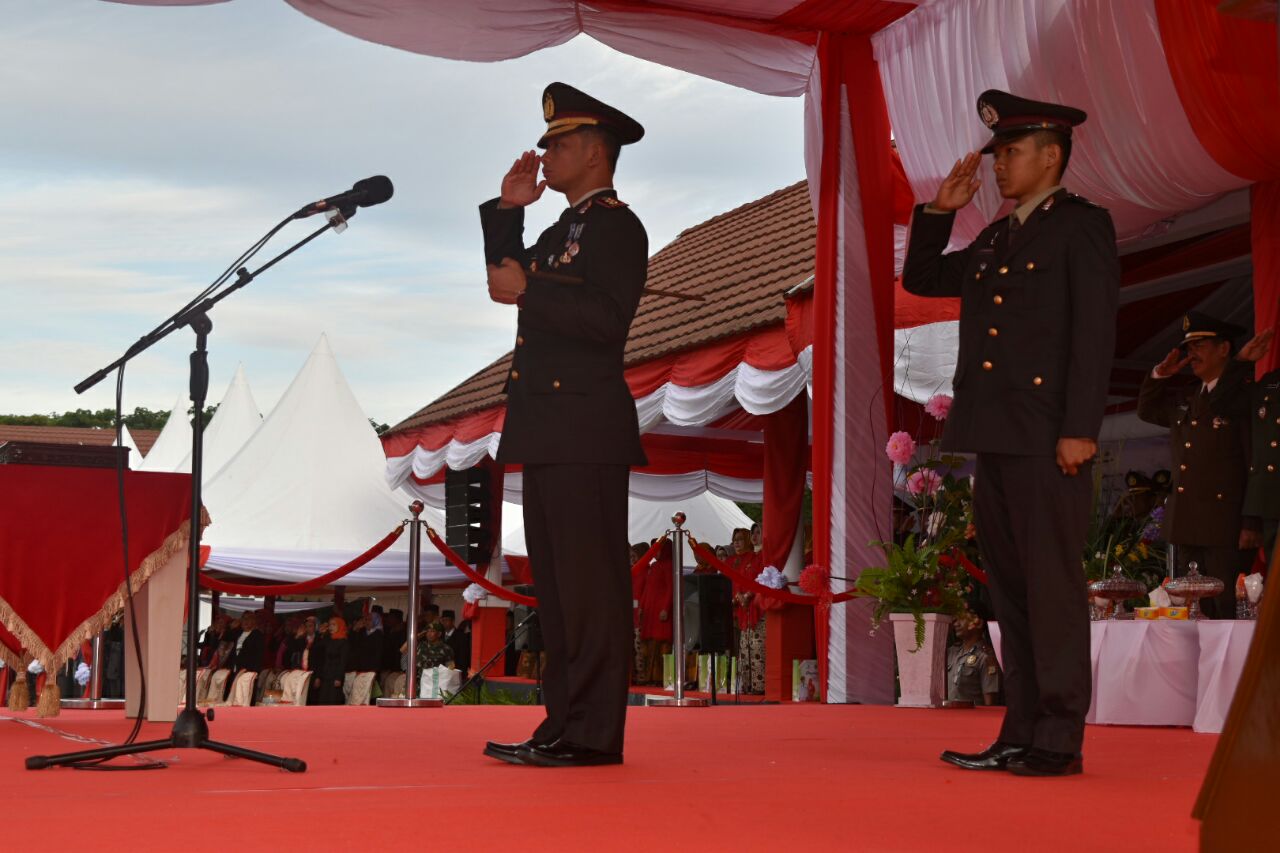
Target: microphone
364,193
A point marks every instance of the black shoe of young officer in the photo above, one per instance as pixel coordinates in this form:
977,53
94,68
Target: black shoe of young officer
562,753
995,757
1041,762
512,753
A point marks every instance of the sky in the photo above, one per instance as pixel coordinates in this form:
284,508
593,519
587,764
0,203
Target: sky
143,149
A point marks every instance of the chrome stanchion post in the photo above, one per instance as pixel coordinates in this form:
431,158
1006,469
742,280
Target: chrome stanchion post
678,537
94,701
411,699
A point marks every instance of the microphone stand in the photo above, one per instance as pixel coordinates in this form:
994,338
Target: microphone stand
478,675
190,729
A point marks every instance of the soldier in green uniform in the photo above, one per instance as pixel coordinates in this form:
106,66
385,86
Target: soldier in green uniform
433,651
1262,494
571,421
1209,425
1038,294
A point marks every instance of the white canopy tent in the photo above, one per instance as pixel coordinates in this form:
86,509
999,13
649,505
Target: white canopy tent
306,492
236,419
173,443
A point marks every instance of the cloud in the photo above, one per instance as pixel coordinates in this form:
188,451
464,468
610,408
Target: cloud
157,143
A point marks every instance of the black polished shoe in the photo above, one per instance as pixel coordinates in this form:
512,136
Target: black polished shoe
565,754
512,753
1041,762
995,757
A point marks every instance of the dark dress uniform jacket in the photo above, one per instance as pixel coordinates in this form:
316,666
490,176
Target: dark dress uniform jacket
1034,360
1262,411
567,400
1209,443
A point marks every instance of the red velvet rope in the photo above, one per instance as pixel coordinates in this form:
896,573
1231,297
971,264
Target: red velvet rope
461,565
506,594
303,586
759,588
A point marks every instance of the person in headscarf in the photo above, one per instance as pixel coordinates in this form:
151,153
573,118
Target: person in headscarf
655,614
331,664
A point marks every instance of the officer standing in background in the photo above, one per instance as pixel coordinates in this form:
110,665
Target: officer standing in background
1208,424
571,420
1038,293
973,673
1262,494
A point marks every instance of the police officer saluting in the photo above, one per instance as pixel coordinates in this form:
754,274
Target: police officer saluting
1038,292
571,420
1208,425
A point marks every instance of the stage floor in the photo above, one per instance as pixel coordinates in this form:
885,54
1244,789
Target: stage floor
729,778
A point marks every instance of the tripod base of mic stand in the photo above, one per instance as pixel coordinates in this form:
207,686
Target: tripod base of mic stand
386,702
93,704
190,731
682,702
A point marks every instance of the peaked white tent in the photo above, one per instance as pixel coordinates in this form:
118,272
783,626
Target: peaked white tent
135,455
306,493
173,443
233,423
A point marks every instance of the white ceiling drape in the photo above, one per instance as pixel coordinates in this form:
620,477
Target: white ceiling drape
1136,155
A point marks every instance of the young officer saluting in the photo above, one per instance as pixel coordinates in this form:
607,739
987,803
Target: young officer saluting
571,420
1038,292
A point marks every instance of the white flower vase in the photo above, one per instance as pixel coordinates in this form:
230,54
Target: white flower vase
922,675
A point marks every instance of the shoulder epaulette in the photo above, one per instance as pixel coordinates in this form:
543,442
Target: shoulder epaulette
610,201
1079,199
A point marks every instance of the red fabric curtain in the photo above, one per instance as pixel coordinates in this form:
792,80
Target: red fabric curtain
786,459
1266,264
1228,79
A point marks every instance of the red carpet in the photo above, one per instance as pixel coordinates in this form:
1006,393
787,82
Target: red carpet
747,778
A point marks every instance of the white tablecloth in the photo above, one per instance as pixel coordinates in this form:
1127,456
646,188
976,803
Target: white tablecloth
1163,672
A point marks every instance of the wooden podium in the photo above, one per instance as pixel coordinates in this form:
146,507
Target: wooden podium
1236,798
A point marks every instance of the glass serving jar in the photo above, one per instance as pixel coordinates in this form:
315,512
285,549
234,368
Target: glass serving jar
1192,587
1117,589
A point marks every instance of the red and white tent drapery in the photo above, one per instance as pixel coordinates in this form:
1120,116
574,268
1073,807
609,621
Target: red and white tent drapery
1146,70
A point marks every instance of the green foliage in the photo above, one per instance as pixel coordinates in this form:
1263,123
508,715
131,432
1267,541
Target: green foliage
140,418
1119,536
480,694
916,579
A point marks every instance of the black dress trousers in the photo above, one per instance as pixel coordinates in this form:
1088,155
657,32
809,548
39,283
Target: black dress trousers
1031,519
575,521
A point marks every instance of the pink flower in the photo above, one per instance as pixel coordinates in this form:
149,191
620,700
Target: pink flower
939,406
922,481
901,448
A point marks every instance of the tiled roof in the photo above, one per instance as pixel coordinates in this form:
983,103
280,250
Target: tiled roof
741,262
144,438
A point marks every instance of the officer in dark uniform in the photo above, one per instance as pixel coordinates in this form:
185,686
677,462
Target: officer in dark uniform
571,420
973,673
1262,494
1038,292
1208,423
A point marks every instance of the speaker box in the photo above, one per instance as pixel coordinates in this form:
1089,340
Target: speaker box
467,514
715,613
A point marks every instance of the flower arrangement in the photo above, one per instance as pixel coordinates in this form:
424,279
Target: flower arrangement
920,573
1120,536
